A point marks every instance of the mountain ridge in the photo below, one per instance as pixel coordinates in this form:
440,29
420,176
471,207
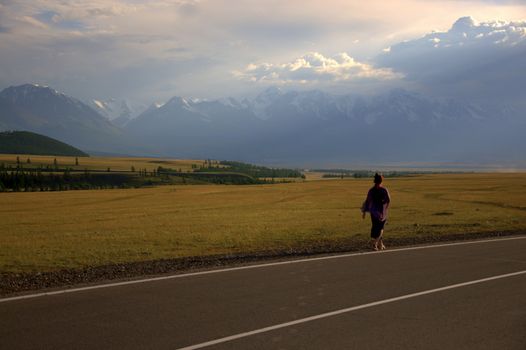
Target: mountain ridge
302,127
43,110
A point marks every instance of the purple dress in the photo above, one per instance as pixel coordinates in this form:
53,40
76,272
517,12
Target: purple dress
377,203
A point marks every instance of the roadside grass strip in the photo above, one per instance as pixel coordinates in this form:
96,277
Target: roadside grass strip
297,261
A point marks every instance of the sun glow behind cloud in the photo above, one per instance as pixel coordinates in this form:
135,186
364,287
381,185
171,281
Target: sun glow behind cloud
315,67
159,48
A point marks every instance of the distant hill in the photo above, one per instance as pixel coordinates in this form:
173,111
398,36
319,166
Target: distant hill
25,142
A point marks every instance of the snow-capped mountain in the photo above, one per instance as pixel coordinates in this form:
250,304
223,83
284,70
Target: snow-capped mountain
397,105
119,112
294,127
43,110
29,95
194,128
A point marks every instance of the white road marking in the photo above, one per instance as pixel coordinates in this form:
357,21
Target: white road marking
208,272
346,310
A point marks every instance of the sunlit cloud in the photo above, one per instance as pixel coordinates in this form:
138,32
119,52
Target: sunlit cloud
468,31
315,67
159,48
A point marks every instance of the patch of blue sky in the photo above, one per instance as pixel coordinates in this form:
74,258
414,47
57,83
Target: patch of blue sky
54,19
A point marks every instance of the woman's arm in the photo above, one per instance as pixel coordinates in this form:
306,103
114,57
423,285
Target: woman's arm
366,206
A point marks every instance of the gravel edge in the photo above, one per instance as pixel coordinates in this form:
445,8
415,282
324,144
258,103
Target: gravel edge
12,284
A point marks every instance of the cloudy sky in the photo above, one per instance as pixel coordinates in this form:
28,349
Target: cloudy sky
152,50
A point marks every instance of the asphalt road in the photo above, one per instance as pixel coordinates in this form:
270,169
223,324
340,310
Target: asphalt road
458,296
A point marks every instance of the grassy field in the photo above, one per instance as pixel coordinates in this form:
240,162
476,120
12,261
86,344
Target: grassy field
47,231
102,163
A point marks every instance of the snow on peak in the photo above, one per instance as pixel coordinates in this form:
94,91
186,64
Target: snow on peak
113,108
178,102
99,104
153,107
24,91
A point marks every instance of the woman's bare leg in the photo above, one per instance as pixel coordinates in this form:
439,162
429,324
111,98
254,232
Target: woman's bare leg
380,243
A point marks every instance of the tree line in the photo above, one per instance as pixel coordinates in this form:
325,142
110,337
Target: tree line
36,180
358,174
28,177
255,171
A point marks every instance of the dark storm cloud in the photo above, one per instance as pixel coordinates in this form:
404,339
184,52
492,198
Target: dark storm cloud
474,60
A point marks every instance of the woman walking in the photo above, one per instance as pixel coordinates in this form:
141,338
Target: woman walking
377,204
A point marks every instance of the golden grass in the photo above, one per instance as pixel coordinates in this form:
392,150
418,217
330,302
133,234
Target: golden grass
45,231
102,163
315,175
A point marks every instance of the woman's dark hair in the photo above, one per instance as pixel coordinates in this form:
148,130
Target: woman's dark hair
378,178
